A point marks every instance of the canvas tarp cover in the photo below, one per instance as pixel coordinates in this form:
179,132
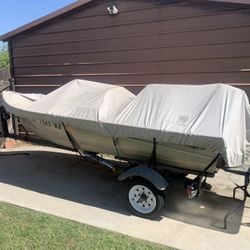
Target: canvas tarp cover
214,117
79,103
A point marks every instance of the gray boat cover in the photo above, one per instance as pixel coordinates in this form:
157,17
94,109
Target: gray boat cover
79,104
214,117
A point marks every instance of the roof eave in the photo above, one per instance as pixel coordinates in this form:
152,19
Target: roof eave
232,1
5,37
73,6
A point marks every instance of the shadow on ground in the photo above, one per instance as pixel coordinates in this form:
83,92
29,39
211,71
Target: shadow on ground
70,177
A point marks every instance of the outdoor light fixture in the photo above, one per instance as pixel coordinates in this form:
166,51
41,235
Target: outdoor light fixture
113,10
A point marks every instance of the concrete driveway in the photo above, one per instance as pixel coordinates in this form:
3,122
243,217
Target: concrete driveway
59,182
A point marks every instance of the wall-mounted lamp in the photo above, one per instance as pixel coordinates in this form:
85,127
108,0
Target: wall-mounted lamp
113,10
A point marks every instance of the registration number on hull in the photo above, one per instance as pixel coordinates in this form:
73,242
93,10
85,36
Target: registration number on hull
49,124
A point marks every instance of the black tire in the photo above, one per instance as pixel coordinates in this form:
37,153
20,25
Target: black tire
159,197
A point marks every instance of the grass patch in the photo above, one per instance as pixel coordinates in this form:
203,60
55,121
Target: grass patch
22,228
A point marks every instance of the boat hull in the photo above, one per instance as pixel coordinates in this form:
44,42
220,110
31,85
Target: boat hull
174,155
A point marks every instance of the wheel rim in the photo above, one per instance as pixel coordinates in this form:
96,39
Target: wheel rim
142,199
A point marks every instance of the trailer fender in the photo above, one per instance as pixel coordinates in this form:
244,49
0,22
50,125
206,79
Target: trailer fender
147,173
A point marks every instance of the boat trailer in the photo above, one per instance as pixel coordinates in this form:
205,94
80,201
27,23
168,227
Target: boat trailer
147,185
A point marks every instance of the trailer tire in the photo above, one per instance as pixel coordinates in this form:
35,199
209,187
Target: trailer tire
144,199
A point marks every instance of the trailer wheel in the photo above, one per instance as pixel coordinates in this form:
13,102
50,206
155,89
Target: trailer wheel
144,199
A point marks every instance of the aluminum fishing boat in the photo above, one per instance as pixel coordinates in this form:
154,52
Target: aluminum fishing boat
163,133
188,125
